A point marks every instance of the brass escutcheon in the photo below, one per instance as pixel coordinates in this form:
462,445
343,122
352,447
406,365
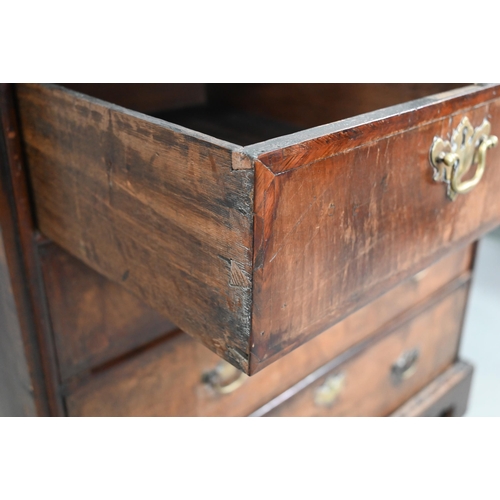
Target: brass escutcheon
329,391
452,159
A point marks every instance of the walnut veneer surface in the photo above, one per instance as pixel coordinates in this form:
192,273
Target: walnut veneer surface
234,250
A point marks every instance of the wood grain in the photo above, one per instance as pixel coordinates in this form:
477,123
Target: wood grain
369,389
318,143
446,396
341,213
311,104
159,382
138,385
93,319
348,215
152,206
149,98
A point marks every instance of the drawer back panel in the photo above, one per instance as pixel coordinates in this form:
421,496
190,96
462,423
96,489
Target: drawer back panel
310,104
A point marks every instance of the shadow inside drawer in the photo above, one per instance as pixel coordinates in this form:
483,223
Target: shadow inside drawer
232,125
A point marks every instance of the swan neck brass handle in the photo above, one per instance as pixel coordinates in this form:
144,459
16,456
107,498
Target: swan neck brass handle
459,186
451,160
224,378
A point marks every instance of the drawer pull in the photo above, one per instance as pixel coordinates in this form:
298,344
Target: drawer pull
452,159
417,278
224,378
329,391
405,366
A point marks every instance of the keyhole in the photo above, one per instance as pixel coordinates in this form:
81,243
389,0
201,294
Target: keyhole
464,138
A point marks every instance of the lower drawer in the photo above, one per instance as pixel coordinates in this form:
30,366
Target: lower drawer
446,396
88,332
384,375
178,377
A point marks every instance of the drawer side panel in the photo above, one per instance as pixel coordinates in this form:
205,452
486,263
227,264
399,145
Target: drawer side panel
154,207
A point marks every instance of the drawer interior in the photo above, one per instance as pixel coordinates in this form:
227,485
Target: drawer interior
245,114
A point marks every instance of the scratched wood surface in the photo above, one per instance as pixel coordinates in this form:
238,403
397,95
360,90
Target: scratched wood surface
152,206
446,396
348,210
93,319
369,388
138,385
341,214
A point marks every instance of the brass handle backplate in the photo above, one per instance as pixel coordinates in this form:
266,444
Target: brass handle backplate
405,366
451,160
224,378
329,391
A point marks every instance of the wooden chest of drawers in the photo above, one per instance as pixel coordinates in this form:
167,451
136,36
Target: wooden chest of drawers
325,268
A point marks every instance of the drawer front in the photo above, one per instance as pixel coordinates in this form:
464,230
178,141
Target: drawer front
164,380
386,374
347,210
152,206
93,320
188,372
446,396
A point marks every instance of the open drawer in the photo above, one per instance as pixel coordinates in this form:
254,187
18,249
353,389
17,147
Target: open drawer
235,212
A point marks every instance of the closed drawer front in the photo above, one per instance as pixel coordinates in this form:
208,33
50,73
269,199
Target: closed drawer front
164,380
256,249
445,396
181,377
386,374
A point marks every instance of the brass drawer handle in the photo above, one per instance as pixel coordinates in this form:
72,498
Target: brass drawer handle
405,366
224,378
330,390
417,278
452,159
